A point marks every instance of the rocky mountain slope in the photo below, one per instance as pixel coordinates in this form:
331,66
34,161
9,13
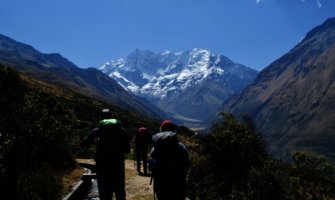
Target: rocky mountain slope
189,85
57,70
292,101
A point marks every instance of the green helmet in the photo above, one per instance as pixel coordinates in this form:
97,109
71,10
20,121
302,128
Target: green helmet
106,114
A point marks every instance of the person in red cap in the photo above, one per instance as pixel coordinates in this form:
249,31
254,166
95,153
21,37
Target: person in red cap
167,125
169,163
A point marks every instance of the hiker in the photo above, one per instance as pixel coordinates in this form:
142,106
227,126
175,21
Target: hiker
112,143
169,163
141,140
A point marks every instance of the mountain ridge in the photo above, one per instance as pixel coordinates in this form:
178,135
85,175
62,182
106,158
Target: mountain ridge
291,100
166,78
56,69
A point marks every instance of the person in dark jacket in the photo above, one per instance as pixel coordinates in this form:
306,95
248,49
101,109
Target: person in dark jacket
112,143
141,140
169,163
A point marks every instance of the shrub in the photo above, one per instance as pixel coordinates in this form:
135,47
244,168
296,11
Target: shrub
232,164
229,153
36,134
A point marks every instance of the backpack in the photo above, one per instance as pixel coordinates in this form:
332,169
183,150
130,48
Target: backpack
112,140
168,156
142,136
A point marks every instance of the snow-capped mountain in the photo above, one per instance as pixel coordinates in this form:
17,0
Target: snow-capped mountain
163,77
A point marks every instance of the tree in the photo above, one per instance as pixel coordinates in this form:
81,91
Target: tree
228,154
312,176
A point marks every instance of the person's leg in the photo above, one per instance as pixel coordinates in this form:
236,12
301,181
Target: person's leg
161,189
138,158
145,159
180,187
105,187
168,193
119,177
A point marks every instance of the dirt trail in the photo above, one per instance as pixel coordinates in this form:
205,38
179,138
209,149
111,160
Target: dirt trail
137,186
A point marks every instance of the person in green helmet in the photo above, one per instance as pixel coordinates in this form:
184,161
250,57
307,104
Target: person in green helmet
112,143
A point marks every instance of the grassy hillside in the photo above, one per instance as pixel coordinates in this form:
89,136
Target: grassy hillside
41,126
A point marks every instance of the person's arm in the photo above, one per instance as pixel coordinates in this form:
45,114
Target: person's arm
152,153
126,142
149,135
90,138
152,162
185,157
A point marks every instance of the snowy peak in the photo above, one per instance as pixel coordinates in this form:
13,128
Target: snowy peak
160,74
189,86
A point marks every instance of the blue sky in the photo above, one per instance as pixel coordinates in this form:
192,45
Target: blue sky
91,32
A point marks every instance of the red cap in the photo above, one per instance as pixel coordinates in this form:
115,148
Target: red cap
168,125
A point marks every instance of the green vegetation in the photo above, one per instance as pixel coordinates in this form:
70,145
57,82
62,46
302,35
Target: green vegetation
37,135
231,163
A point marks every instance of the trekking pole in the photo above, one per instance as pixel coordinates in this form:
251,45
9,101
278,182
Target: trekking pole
151,181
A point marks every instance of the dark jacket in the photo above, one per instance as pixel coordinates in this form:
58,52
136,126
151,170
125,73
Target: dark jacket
171,156
142,136
112,142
